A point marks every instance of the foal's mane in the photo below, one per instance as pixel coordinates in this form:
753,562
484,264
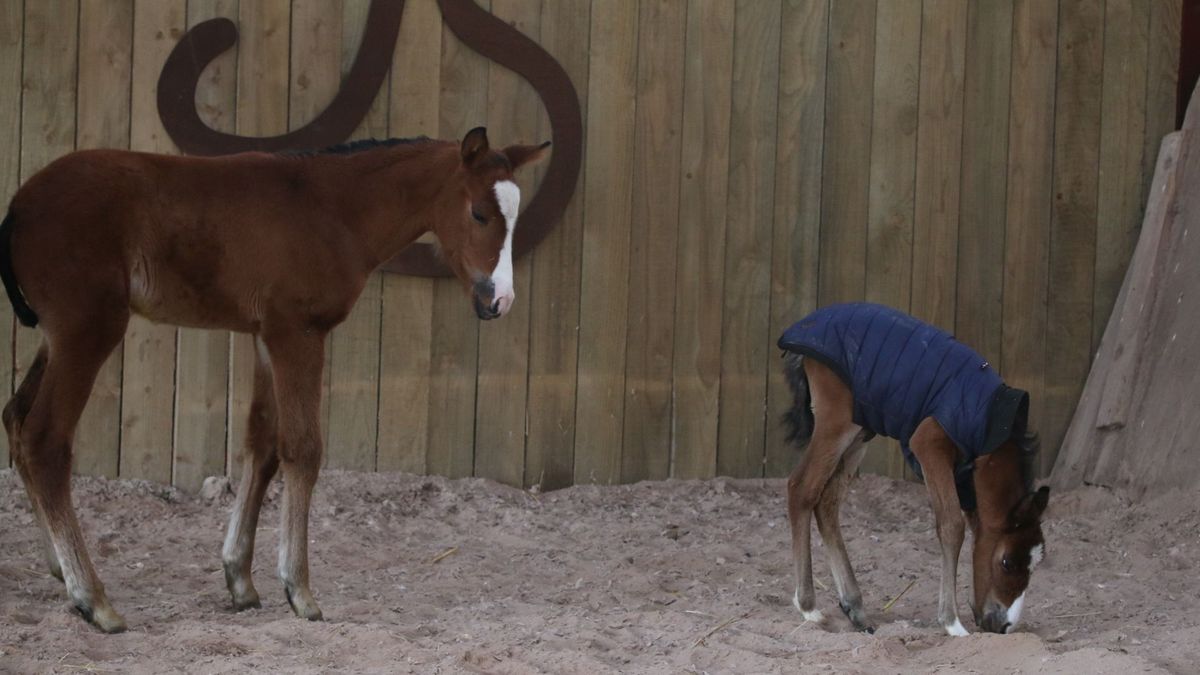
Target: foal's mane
354,147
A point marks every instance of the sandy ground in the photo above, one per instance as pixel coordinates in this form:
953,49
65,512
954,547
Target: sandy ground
643,578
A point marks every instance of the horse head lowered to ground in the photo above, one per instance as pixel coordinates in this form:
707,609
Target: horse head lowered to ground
858,370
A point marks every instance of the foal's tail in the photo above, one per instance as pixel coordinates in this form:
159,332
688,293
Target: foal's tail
799,417
21,308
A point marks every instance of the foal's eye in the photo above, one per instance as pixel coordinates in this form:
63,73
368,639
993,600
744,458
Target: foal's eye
478,217
1006,563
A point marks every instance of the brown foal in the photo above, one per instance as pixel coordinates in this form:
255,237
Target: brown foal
1006,525
276,245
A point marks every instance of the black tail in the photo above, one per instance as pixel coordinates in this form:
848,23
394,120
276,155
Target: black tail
799,417
21,308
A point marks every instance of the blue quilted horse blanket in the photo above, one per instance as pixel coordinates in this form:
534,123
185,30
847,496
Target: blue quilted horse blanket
902,370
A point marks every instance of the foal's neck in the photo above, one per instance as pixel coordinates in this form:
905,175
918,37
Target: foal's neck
999,485
395,194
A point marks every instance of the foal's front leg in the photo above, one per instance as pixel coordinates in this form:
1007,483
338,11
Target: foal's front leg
258,467
296,362
936,453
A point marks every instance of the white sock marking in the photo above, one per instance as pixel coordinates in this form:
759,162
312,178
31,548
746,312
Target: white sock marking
1014,613
956,629
814,615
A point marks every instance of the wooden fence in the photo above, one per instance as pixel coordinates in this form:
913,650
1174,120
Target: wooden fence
982,164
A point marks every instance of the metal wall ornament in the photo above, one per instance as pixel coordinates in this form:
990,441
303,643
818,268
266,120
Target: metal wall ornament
475,27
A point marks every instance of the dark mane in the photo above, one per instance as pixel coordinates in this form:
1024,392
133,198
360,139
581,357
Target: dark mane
357,146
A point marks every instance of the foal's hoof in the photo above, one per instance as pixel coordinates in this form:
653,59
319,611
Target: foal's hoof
303,604
858,618
246,601
104,617
241,590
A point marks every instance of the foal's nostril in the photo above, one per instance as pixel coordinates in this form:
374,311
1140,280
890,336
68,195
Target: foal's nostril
496,306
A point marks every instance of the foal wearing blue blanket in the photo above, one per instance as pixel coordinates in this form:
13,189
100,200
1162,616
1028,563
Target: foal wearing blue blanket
902,371
858,370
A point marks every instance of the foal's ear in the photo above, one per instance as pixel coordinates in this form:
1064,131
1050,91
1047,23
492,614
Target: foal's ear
520,155
1029,510
474,145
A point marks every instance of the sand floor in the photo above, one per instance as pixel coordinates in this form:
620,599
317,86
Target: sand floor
662,577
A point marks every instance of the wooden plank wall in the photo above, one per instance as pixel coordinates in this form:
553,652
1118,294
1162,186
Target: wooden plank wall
982,164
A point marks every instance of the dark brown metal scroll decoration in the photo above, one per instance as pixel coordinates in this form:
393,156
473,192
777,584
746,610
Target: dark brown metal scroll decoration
475,27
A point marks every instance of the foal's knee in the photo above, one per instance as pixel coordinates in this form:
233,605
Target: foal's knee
11,415
301,450
15,412
42,452
951,527
800,496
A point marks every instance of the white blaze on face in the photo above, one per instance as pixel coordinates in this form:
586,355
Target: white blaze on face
1035,555
508,196
1014,613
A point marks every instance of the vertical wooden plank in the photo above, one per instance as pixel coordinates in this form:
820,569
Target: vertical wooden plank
47,114
48,84
846,171
797,218
890,207
555,282
12,23
939,168
1073,219
603,321
455,331
984,176
354,23
741,433
216,96
406,321
354,383
148,376
939,160
354,345
262,110
1162,82
700,262
893,153
1122,142
502,390
1030,161
203,356
102,121
314,75
316,58
646,444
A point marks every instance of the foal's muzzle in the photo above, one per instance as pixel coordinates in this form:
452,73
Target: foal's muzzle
487,305
994,619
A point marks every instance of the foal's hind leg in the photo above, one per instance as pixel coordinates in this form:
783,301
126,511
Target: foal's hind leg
297,358
14,416
833,434
259,464
45,436
849,595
